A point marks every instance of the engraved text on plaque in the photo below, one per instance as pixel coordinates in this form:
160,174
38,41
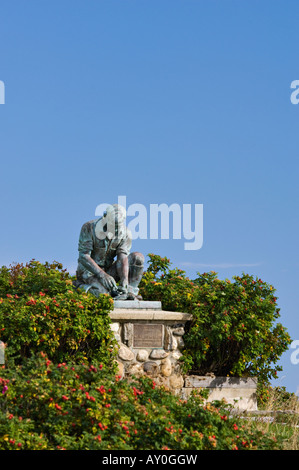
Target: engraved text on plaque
147,336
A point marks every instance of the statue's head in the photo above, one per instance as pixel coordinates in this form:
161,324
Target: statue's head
115,214
114,219
112,224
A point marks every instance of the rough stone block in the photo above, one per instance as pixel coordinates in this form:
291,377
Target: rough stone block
166,367
220,382
142,355
158,354
133,314
176,381
151,368
125,353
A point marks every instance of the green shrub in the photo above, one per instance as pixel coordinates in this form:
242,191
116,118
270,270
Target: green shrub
41,311
34,277
233,331
85,407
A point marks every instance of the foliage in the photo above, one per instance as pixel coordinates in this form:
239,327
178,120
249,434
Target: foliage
278,398
279,415
82,406
58,388
233,331
283,399
40,311
34,277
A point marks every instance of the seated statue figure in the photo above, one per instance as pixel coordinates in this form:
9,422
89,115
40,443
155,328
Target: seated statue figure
100,242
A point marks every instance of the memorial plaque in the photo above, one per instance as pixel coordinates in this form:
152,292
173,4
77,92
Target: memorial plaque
147,335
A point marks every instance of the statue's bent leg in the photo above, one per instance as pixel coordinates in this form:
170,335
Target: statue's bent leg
136,265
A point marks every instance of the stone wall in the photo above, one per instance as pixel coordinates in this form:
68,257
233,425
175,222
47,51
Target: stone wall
237,391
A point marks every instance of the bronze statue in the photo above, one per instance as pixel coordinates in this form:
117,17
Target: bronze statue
100,241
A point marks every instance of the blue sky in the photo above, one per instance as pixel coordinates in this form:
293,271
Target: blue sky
163,101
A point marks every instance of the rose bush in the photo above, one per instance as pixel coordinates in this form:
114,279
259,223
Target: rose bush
34,277
41,311
48,406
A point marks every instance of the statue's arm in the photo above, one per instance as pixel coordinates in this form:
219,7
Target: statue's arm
107,281
85,249
88,263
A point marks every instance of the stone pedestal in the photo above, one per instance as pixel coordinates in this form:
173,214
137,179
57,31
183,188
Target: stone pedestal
150,341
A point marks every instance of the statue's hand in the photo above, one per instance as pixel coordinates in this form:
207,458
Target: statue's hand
108,281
